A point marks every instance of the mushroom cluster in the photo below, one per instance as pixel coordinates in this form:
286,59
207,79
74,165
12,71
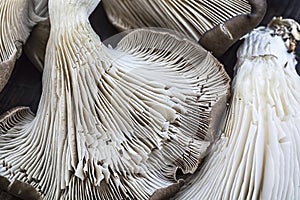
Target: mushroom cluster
147,119
114,123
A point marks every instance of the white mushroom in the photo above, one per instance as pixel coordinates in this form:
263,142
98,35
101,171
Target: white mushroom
17,19
114,123
258,154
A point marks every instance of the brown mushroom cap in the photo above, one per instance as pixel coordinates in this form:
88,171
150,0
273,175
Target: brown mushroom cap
35,46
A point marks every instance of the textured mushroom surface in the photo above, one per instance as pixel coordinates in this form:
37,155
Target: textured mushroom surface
24,86
286,9
113,123
258,154
216,24
193,17
17,20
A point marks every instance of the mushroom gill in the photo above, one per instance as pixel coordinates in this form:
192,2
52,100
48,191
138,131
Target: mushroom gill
258,154
114,123
216,24
17,19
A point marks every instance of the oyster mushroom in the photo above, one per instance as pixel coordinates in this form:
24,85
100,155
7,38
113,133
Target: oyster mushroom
215,24
258,154
114,123
17,20
286,9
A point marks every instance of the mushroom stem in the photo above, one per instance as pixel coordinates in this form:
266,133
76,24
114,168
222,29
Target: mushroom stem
221,37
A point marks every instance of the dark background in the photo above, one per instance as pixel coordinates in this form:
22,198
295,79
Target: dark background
25,85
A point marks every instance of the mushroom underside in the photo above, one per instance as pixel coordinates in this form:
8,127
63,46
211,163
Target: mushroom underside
127,118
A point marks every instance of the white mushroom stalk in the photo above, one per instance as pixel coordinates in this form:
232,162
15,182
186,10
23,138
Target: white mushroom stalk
258,154
114,123
17,19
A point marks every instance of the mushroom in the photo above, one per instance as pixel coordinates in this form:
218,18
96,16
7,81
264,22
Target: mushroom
215,24
258,154
286,9
18,18
114,123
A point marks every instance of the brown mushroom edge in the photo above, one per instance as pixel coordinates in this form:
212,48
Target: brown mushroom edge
221,37
17,190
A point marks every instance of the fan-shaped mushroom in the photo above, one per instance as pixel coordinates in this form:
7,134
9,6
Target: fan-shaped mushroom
113,123
17,19
227,20
258,154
